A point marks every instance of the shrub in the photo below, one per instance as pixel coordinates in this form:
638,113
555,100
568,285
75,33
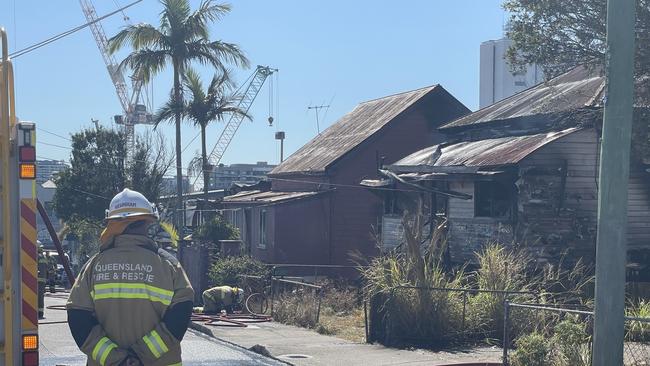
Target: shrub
532,350
228,271
214,230
571,344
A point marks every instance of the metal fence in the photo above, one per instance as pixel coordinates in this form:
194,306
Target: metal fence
564,336
303,299
429,316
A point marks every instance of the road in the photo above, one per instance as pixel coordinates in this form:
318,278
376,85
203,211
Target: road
57,346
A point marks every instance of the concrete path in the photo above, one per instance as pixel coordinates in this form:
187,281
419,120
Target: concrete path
304,347
57,347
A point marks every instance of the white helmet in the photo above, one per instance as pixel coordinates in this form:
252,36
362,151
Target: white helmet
130,203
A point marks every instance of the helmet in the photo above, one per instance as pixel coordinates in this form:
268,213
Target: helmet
130,203
239,294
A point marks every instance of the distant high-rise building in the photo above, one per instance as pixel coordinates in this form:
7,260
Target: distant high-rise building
169,186
47,169
497,81
225,175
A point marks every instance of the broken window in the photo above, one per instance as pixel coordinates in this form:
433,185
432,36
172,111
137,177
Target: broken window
493,199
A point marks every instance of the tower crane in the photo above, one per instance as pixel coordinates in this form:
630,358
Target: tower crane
133,112
251,90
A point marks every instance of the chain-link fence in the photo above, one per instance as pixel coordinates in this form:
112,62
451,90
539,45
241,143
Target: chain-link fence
542,334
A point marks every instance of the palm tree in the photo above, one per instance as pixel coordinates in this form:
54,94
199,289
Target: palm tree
204,107
182,37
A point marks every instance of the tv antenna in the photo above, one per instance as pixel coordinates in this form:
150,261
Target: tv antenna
317,108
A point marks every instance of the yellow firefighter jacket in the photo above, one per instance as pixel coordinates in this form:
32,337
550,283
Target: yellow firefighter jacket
129,287
214,299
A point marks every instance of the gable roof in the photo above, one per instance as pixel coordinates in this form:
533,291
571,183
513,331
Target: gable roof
267,197
349,132
578,88
481,153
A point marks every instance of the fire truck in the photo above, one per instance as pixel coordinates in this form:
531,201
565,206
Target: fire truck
18,209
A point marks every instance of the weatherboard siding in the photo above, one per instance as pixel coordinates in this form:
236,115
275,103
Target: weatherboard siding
555,214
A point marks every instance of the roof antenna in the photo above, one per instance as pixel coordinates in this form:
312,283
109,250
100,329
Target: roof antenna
317,108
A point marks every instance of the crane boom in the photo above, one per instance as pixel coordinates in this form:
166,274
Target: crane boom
133,112
102,43
248,96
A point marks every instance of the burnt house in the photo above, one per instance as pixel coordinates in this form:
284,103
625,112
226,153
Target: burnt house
523,170
315,212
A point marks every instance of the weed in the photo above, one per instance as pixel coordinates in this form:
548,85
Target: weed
532,350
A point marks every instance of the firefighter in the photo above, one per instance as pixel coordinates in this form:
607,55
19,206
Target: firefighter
51,272
132,302
221,298
42,272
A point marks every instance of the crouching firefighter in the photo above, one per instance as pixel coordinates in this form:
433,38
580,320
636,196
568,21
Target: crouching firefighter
132,302
221,298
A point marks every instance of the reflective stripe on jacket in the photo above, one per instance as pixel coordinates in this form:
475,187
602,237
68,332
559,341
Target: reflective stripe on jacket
129,287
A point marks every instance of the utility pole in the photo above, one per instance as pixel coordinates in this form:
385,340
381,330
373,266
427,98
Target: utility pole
317,108
611,242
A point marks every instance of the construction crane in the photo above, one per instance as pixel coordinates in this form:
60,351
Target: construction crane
251,90
133,111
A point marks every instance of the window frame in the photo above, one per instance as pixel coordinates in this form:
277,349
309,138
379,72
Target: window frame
262,229
510,196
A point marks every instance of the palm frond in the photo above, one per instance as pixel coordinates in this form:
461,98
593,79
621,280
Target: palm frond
146,62
217,54
171,231
169,110
197,25
174,15
139,36
192,81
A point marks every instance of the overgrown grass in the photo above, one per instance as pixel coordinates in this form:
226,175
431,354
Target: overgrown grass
411,313
637,331
296,308
341,314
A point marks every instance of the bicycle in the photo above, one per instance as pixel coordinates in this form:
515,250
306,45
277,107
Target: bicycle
257,303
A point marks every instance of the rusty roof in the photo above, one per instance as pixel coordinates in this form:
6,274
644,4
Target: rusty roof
579,88
349,131
266,197
481,153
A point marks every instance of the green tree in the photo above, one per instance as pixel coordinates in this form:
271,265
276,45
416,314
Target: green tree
205,107
560,34
214,230
97,172
181,38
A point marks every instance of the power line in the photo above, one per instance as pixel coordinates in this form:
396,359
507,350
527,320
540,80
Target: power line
68,32
104,169
143,161
101,154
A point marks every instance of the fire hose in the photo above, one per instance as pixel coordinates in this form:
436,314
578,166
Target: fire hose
230,320
217,320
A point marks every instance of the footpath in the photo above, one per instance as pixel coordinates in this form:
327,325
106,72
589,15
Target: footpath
303,347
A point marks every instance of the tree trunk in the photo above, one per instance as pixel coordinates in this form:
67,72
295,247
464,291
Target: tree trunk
206,169
178,215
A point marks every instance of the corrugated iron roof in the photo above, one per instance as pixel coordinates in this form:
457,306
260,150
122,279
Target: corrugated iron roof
579,88
348,132
481,153
266,196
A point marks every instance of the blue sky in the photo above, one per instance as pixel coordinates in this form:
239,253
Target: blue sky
328,52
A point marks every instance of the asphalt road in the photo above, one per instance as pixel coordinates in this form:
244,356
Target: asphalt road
57,346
